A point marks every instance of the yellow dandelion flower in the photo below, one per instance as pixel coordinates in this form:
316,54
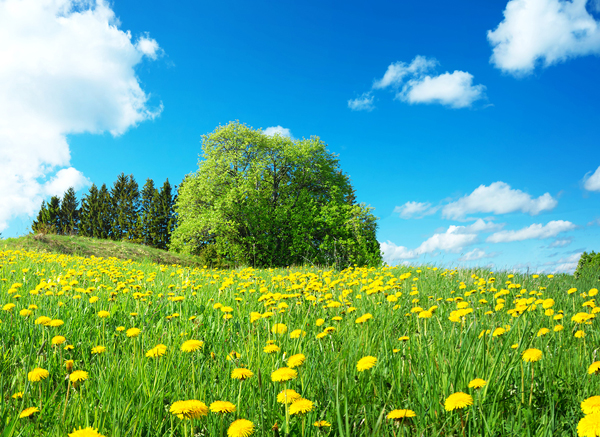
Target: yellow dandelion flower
78,375
37,374
25,312
56,323
543,331
254,316
589,426
594,368
42,320
321,424
17,395
133,332
279,328
28,412
295,360
192,345
240,428
120,328
558,328
365,363
191,409
58,340
477,383
319,322
288,396
400,414
8,307
296,333
157,351
458,400
283,374
85,432
98,349
69,365
532,355
271,349
241,374
301,406
103,314
591,405
403,338
222,407
579,334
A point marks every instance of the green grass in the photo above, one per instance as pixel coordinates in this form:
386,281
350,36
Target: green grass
84,246
129,394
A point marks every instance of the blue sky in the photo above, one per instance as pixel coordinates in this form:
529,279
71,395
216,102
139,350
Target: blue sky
470,127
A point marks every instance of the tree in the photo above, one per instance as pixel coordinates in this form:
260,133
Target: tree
48,218
165,216
90,209
125,203
272,201
69,213
149,220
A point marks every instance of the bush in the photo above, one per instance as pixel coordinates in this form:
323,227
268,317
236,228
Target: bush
588,265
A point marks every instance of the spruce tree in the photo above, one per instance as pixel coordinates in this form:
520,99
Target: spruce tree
149,223
166,216
52,215
125,202
103,221
69,213
89,212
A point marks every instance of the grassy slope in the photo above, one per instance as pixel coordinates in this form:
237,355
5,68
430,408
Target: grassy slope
84,246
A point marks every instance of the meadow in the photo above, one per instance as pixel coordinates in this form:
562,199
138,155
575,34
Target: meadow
93,346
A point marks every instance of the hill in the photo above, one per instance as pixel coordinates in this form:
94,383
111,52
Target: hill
84,246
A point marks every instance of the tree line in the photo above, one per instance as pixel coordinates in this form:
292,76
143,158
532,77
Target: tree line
121,213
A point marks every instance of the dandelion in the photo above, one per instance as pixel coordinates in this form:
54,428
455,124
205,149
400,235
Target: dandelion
42,320
78,375
222,407
288,396
321,424
8,307
279,328
400,415
120,328
591,405
85,432
458,400
27,412
297,333
241,374
240,428
157,351
320,322
589,426
283,374
191,409
579,334
301,406
477,383
532,355
17,395
98,349
58,340
133,332
295,360
403,338
37,374
271,348
543,331
56,323
192,345
25,312
365,363
103,314
594,368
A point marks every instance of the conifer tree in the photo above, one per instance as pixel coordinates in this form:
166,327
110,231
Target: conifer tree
103,221
166,216
69,213
149,220
40,224
125,202
89,213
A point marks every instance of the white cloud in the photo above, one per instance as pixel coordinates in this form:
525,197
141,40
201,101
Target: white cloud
592,182
391,252
278,130
362,103
65,68
476,254
535,231
498,198
415,210
561,242
546,31
566,264
417,83
63,180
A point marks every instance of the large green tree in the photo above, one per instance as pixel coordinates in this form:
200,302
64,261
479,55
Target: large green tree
69,213
272,201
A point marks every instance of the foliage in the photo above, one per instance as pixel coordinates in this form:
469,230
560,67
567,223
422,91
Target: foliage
68,215
588,265
271,201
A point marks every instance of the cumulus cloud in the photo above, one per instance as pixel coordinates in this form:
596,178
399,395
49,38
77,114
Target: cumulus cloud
392,252
566,264
362,103
535,231
561,242
591,182
415,210
417,82
278,130
498,198
477,254
65,68
543,31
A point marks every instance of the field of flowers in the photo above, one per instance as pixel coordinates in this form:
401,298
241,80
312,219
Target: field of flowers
96,346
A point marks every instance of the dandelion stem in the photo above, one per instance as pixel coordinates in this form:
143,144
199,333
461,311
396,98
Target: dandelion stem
531,391
67,398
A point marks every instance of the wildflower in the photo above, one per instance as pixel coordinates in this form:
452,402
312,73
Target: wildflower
98,349
301,406
25,312
477,383
192,345
558,328
8,307
133,332
543,331
532,355
86,432
594,368
271,348
58,340
579,334
295,360
363,318
120,328
191,409
591,405
398,415
498,332
222,407
365,363
28,412
240,428
425,314
319,322
103,314
279,328
37,374
78,375
297,333
17,395
321,423
589,426
283,374
56,323
288,396
157,351
403,338
457,401
254,316
42,320
241,374
69,365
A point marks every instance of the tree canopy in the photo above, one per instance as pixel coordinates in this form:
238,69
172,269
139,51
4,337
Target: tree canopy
272,201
